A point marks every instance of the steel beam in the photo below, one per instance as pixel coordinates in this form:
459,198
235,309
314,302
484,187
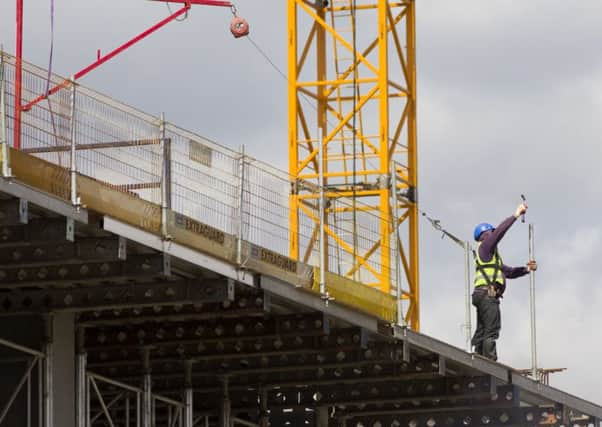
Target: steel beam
461,417
53,252
100,297
210,331
178,251
43,200
138,266
295,295
37,231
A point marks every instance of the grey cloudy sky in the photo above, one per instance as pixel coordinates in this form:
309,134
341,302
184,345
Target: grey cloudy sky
510,102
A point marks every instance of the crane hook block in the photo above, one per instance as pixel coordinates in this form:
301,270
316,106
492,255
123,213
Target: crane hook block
239,27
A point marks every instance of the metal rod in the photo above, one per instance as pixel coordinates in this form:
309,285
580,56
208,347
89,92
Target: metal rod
127,411
532,298
468,321
109,405
18,76
94,146
3,137
138,414
17,389
243,422
29,400
101,60
398,267
241,204
40,394
81,390
102,404
164,177
21,348
88,396
48,374
323,261
114,383
73,166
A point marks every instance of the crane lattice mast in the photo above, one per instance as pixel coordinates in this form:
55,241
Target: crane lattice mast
352,75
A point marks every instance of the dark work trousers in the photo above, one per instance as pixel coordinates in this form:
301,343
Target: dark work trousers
489,323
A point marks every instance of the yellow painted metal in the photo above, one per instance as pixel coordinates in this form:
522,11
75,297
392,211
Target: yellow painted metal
360,95
358,295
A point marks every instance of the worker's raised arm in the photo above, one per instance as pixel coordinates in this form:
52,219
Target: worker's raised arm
490,241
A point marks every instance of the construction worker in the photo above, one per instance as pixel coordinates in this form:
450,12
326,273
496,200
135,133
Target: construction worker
490,282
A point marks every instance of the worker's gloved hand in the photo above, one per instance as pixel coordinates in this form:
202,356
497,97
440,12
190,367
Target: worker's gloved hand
521,209
532,265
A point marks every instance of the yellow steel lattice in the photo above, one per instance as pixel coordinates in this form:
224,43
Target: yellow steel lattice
352,68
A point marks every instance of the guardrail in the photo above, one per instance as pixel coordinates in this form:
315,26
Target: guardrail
96,152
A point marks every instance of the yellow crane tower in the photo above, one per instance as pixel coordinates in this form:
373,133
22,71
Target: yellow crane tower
352,73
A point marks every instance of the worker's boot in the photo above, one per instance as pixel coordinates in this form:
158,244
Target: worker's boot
489,349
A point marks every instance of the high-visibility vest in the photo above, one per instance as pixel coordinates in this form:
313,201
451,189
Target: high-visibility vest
488,272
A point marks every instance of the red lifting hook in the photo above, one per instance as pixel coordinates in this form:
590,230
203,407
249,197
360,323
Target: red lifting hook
239,27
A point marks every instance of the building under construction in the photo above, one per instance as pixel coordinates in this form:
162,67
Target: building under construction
151,277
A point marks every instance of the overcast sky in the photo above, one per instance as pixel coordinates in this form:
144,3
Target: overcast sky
510,102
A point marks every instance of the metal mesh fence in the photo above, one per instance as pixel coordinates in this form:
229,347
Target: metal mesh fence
126,149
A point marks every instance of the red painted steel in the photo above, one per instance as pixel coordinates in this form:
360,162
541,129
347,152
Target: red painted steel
101,60
18,76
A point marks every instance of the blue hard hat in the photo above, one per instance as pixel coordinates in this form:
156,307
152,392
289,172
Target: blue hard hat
481,228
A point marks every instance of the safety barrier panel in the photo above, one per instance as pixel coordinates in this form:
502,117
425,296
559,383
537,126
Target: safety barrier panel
84,147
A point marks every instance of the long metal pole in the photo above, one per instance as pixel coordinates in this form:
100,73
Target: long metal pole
468,322
18,76
532,297
17,389
188,395
321,207
241,204
165,176
400,316
73,166
48,368
3,137
146,386
81,379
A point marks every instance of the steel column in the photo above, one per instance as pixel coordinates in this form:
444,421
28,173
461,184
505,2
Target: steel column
264,418
188,395
225,409
73,165
532,304
322,416
241,204
81,399
147,406
48,368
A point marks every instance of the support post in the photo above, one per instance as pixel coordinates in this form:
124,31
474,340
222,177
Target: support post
264,417
48,368
241,204
400,318
146,387
322,416
165,176
18,76
224,414
468,321
188,395
73,165
322,214
532,300
3,138
82,397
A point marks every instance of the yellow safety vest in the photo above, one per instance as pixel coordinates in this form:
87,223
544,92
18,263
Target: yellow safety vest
488,272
